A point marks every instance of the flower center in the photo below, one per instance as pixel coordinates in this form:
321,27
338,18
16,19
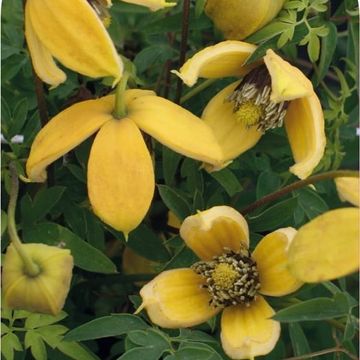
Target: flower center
231,278
252,104
100,7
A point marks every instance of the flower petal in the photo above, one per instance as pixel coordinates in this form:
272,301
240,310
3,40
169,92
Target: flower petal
81,43
175,298
232,135
238,19
120,175
247,332
226,58
349,189
327,247
304,124
272,263
208,232
153,5
43,62
64,132
176,128
287,81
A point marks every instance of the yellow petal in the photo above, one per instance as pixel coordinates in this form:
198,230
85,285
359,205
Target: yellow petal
272,263
176,299
327,247
44,64
348,189
287,81
75,35
153,5
64,132
176,128
239,19
233,136
120,175
45,292
226,58
247,332
304,124
208,232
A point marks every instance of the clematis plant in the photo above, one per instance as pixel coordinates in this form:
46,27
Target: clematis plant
272,93
231,279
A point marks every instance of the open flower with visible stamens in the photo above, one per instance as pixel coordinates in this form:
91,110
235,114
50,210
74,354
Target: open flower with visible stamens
120,172
230,278
271,94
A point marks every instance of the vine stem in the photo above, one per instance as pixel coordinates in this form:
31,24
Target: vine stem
120,106
323,352
183,45
298,185
194,91
30,267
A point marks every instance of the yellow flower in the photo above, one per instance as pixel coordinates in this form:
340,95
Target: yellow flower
45,292
271,93
227,278
238,19
153,5
327,247
348,189
120,171
73,33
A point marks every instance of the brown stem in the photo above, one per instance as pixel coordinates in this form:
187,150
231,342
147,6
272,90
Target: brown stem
323,352
40,97
298,185
183,45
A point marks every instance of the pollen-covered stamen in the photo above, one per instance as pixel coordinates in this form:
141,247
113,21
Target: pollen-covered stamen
252,104
101,9
231,278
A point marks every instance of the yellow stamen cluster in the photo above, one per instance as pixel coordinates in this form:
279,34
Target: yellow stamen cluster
224,276
249,113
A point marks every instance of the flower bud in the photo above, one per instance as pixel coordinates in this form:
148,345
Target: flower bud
237,19
45,292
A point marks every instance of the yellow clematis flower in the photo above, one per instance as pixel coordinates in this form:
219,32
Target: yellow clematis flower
271,93
74,34
227,278
153,5
348,189
327,247
45,292
120,171
237,19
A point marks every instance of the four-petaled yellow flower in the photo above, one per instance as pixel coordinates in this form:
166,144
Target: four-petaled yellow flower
271,93
227,278
120,175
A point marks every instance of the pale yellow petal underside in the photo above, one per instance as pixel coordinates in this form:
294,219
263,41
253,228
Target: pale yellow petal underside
287,81
153,5
176,128
271,256
327,247
120,175
304,124
349,189
176,299
224,59
232,135
42,60
247,332
209,233
75,35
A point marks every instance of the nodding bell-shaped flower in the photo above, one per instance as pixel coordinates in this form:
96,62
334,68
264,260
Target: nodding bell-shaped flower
237,19
44,292
348,189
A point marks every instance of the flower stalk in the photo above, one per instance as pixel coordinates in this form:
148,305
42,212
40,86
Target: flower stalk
30,267
120,106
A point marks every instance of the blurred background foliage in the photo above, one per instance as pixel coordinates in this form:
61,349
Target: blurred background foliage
321,37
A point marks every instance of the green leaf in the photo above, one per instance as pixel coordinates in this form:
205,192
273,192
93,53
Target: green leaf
183,258
76,351
35,320
228,181
199,7
85,256
52,334
268,182
274,216
175,202
4,329
350,328
19,117
150,352
106,326
10,343
195,352
311,203
313,47
171,161
299,342
147,244
36,344
3,222
149,337
268,31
